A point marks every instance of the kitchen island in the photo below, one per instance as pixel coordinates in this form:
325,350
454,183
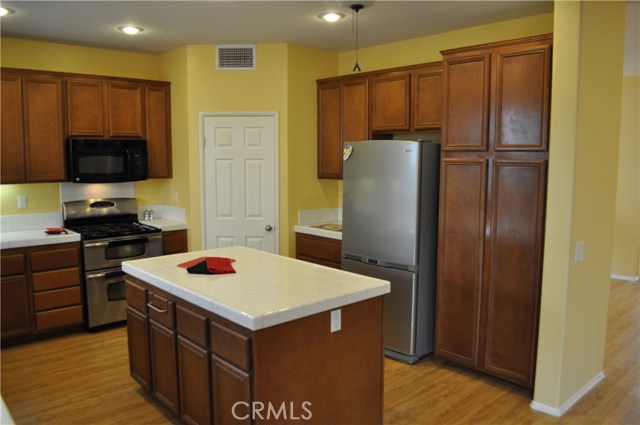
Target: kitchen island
280,340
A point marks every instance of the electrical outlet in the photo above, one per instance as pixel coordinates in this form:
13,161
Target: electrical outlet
175,196
578,254
336,320
22,201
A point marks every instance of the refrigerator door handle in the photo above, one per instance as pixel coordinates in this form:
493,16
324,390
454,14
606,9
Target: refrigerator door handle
376,262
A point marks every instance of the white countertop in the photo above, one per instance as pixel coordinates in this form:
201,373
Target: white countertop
165,225
24,238
266,290
309,229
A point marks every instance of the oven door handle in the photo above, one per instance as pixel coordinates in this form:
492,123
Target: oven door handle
128,241
106,275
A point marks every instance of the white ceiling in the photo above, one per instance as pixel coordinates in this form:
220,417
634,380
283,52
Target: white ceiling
171,24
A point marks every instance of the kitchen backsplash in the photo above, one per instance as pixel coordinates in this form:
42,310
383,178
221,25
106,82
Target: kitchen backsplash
79,191
324,215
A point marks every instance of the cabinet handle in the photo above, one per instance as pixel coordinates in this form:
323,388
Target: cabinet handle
153,307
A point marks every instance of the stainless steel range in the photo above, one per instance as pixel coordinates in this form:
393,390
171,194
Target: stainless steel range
110,234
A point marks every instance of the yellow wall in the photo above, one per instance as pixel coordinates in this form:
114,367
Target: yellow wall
427,49
626,248
584,138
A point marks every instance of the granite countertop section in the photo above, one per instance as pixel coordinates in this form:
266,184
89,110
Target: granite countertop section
166,225
23,238
266,290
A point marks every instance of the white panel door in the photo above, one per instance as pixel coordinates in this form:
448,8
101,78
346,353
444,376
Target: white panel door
240,190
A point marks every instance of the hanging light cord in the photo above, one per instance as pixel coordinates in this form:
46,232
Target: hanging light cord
356,8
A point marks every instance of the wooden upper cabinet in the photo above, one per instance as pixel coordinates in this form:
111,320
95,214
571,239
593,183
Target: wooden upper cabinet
466,103
522,98
390,106
158,129
329,130
12,164
125,108
44,129
355,110
426,97
85,108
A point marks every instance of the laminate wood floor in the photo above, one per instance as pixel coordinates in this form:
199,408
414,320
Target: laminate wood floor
84,379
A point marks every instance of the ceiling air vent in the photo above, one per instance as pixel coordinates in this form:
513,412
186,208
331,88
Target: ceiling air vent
236,57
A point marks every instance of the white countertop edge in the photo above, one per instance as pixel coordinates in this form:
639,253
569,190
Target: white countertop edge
165,225
318,232
266,320
26,238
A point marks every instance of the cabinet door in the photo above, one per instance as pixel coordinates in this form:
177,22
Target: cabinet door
461,232
426,97
522,99
12,159
44,132
390,102
139,354
466,103
511,294
329,131
174,242
85,108
14,297
355,111
158,129
194,373
231,391
125,107
164,365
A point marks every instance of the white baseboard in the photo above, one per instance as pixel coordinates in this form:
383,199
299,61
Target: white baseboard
559,411
625,278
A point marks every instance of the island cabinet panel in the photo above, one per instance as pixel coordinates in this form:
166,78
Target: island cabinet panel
138,341
492,202
224,370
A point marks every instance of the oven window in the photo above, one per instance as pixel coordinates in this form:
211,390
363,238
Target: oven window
119,252
115,291
101,164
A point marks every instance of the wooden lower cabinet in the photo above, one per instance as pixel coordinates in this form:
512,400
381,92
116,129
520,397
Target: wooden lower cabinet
41,290
319,250
174,242
212,371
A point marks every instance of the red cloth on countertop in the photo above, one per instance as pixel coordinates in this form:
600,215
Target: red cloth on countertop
209,265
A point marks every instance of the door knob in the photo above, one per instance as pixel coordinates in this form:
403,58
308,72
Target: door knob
268,228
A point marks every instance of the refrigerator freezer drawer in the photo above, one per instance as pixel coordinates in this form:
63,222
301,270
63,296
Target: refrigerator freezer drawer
399,305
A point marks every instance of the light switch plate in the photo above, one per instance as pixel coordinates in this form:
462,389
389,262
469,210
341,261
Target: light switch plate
22,201
578,254
336,320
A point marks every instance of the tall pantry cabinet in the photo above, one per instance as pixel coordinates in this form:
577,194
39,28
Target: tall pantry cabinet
492,200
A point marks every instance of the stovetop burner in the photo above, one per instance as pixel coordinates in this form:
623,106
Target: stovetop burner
111,230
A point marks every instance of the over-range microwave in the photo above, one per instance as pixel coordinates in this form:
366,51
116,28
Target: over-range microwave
106,160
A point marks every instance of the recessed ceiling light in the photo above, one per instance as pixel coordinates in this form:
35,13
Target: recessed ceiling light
130,29
4,11
332,16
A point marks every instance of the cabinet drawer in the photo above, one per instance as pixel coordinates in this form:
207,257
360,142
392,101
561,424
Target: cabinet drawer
57,298
191,325
12,264
55,279
318,247
230,345
55,259
59,318
136,296
161,310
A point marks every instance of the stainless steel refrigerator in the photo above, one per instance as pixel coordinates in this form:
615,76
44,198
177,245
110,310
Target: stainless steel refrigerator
389,231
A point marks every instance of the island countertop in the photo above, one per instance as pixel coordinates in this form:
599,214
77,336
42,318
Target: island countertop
266,290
